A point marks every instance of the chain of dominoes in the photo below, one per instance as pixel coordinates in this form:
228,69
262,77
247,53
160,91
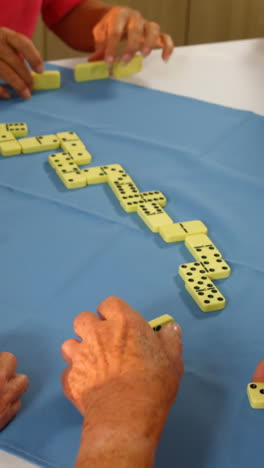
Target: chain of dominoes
198,276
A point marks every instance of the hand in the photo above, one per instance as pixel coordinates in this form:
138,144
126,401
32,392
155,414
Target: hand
259,372
122,23
12,387
122,365
14,50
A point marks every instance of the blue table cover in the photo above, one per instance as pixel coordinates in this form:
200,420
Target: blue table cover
63,251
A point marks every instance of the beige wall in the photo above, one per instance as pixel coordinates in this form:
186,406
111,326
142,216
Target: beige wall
188,22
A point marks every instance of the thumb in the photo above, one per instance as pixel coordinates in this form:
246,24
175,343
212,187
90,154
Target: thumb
259,372
171,337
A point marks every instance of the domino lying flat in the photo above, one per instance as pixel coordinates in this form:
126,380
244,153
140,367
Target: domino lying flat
18,129
159,322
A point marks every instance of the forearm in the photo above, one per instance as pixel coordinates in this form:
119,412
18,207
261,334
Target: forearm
76,27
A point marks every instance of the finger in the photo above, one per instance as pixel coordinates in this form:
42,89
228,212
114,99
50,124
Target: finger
135,35
69,349
259,372
25,46
18,65
84,323
115,33
12,78
16,387
100,36
166,42
65,384
10,413
4,94
8,365
171,336
114,308
152,34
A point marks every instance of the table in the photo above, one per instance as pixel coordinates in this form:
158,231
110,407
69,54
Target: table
229,74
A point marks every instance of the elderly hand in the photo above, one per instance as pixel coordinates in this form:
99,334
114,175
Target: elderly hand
122,23
12,387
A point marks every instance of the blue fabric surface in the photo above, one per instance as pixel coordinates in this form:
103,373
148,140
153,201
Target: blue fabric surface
64,251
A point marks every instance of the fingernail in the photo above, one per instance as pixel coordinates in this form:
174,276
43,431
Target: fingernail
176,327
26,94
126,58
146,50
39,68
109,59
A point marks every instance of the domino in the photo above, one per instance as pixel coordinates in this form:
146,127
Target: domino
213,270
154,196
159,322
67,136
10,148
75,145
6,136
18,129
202,248
177,232
91,71
80,157
153,216
65,167
255,392
59,158
73,180
130,203
95,175
39,143
134,66
46,80
205,294
123,189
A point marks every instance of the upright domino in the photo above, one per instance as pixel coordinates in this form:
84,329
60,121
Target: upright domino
255,392
46,80
157,323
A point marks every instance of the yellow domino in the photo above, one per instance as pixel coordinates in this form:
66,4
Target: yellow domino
153,216
131,202
123,186
255,392
67,136
177,232
69,146
80,157
10,148
95,175
59,158
46,80
159,322
30,145
48,142
191,270
207,298
202,248
91,71
66,166
154,196
72,180
18,129
6,136
134,66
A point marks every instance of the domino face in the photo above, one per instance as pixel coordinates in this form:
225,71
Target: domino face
73,180
67,136
130,203
30,145
75,145
218,270
95,175
46,80
177,232
59,158
6,136
80,157
153,216
66,167
202,248
205,294
255,392
159,322
18,129
39,143
154,196
91,71
134,66
48,142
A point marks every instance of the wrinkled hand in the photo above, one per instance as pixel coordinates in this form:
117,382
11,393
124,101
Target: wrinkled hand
12,387
120,357
14,50
122,23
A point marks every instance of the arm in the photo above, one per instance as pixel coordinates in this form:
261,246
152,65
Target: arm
123,378
95,26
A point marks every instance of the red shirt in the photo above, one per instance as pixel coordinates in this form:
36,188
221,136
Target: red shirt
22,15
